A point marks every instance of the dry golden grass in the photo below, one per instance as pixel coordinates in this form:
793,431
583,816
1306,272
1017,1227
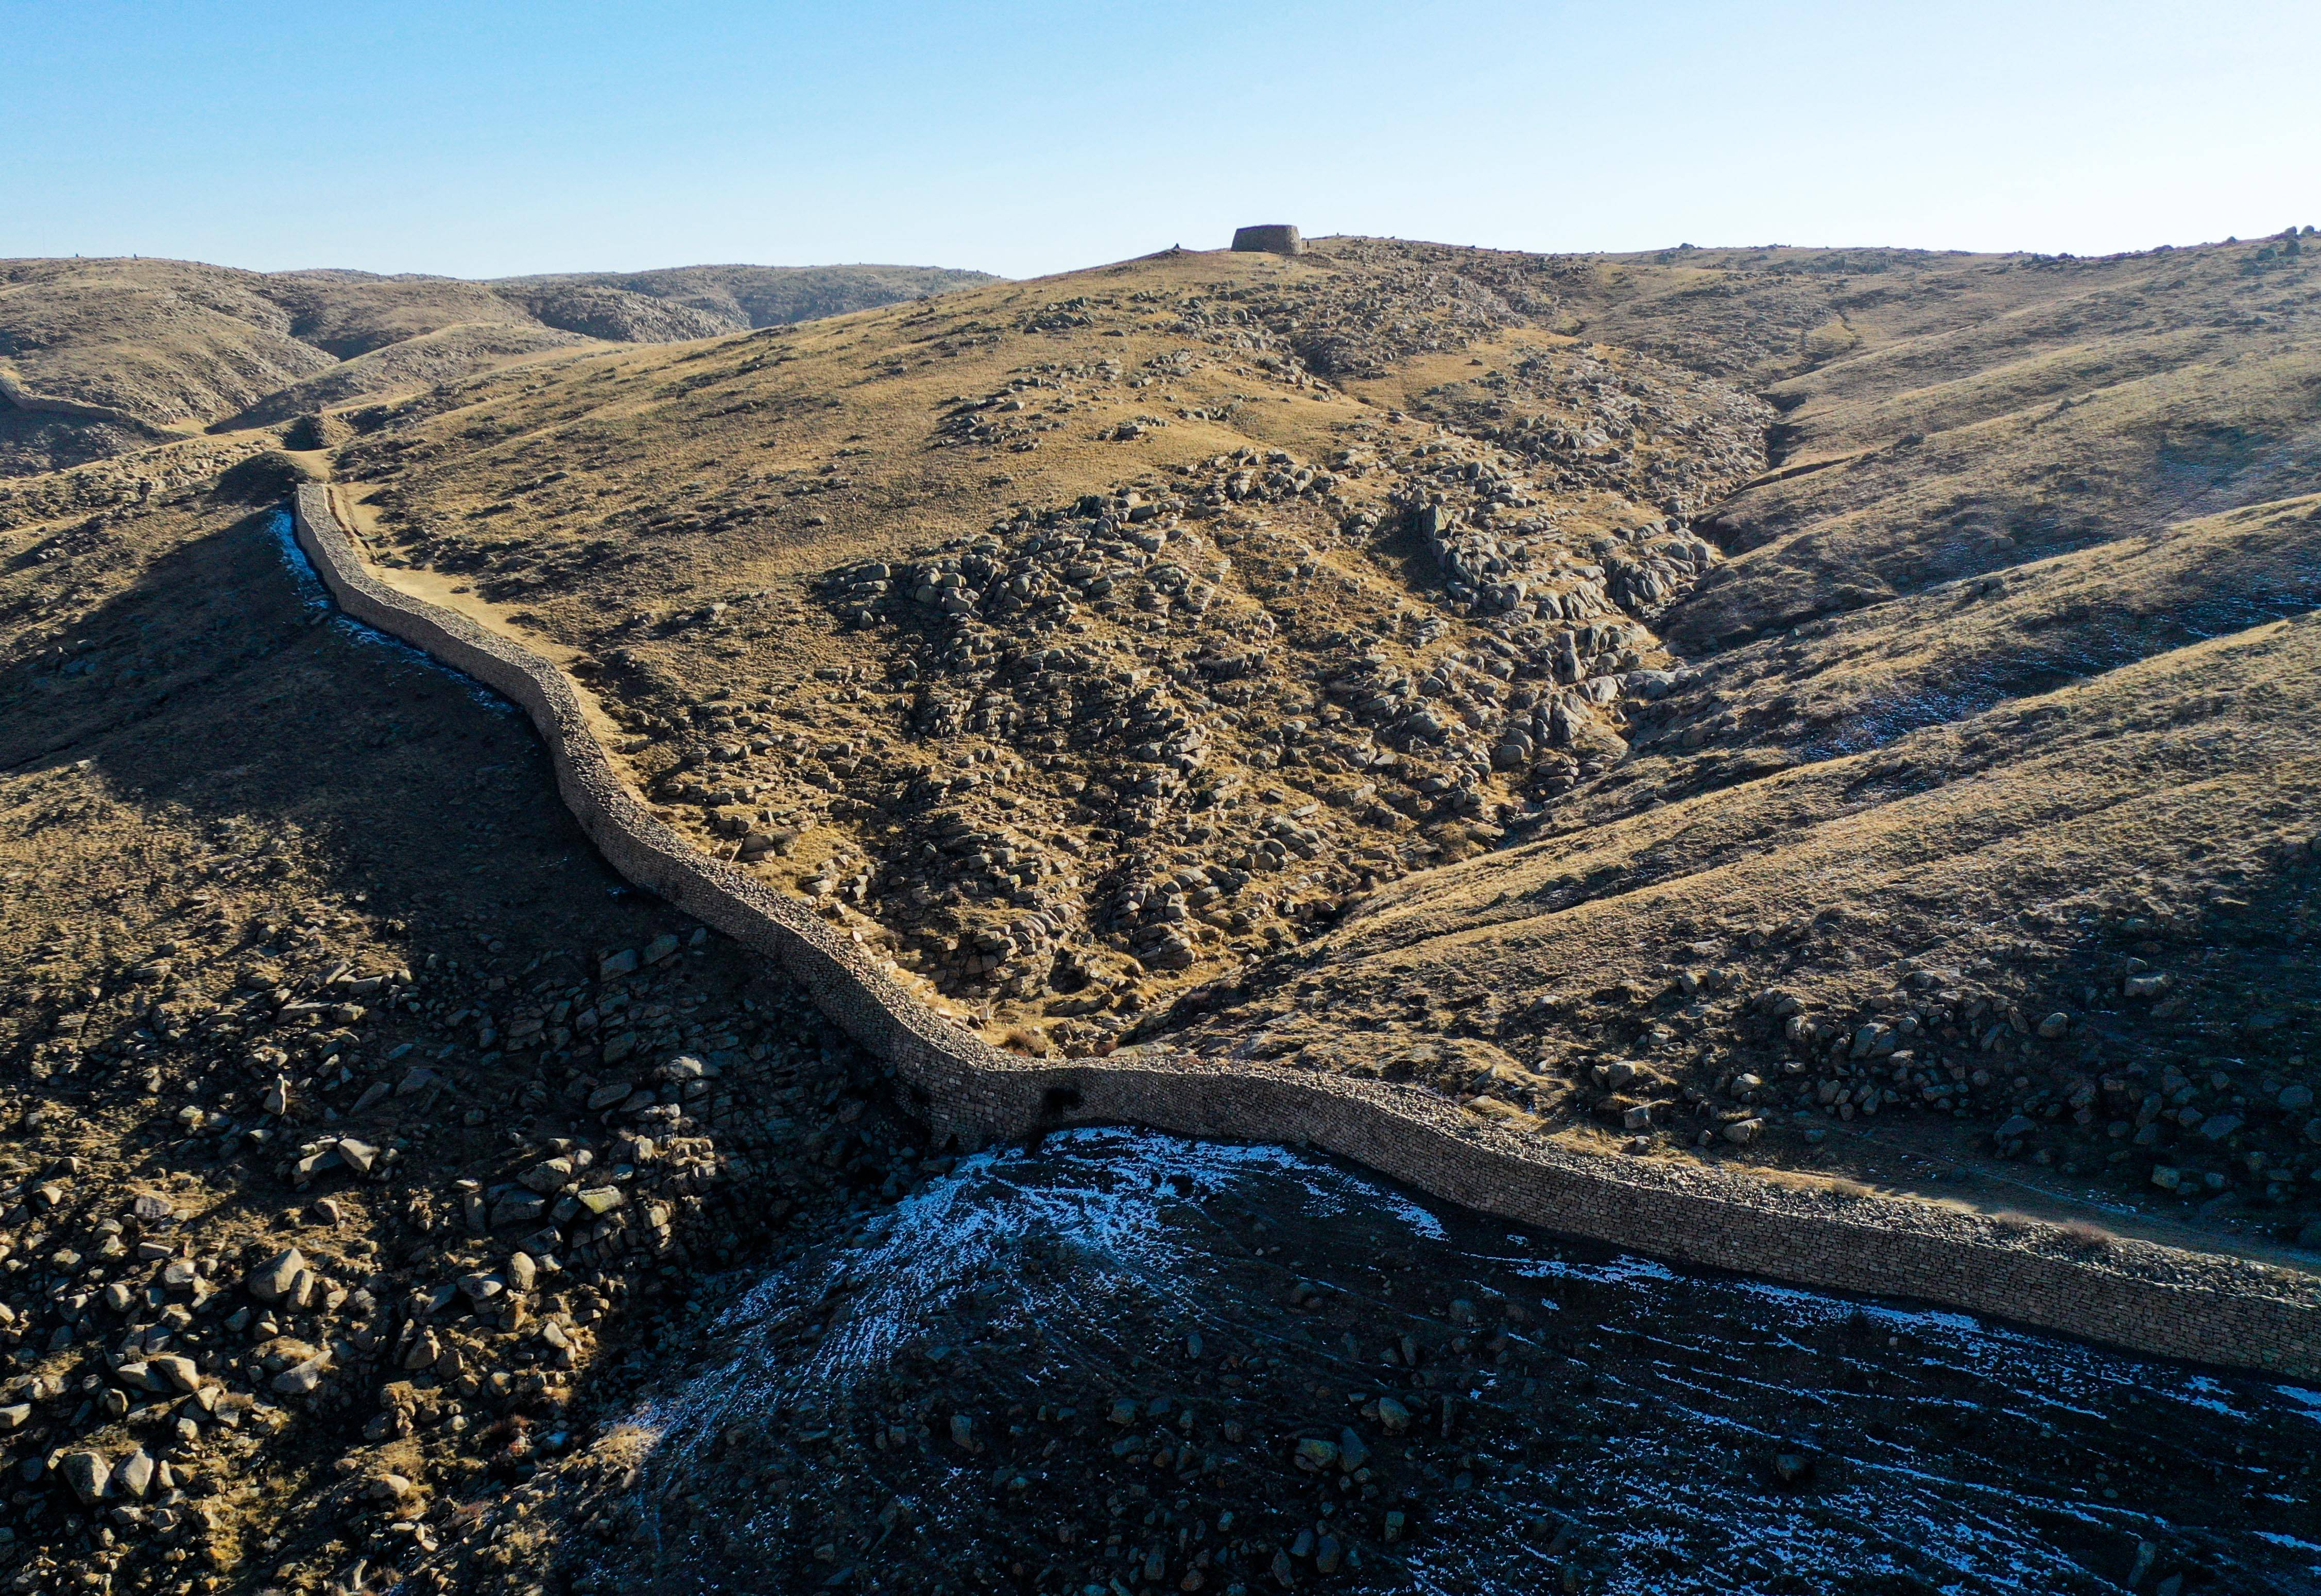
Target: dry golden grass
2041,712
2006,714
2005,862
176,344
674,521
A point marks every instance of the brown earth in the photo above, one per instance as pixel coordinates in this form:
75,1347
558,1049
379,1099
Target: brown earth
1351,658
304,956
1846,713
103,355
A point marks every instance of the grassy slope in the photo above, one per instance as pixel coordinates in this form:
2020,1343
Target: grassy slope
171,342
443,354
678,516
2047,405
174,344
2053,424
1950,809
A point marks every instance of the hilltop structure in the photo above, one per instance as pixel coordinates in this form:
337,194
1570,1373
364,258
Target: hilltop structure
1269,238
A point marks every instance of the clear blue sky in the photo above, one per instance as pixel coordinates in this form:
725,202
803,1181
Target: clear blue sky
489,137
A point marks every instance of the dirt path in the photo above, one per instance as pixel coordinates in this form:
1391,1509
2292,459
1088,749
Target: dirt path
452,593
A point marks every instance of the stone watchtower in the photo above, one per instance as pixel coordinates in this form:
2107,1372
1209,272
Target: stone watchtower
1270,238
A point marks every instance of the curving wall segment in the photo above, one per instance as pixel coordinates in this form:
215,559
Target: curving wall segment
2132,1294
13,391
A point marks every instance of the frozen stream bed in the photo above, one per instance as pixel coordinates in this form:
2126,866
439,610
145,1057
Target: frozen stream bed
1124,1361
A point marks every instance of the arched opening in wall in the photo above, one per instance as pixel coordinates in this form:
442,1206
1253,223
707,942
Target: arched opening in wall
1059,1101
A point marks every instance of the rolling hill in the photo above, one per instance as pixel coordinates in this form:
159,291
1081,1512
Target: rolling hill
1811,686
97,356
1845,715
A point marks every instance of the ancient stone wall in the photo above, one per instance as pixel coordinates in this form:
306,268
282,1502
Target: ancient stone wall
13,391
2149,1298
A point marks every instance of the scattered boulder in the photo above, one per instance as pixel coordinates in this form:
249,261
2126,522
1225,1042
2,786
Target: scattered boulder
134,1475
302,1377
271,1281
88,1472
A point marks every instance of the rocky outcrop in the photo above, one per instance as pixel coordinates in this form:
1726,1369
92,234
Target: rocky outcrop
2130,1293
